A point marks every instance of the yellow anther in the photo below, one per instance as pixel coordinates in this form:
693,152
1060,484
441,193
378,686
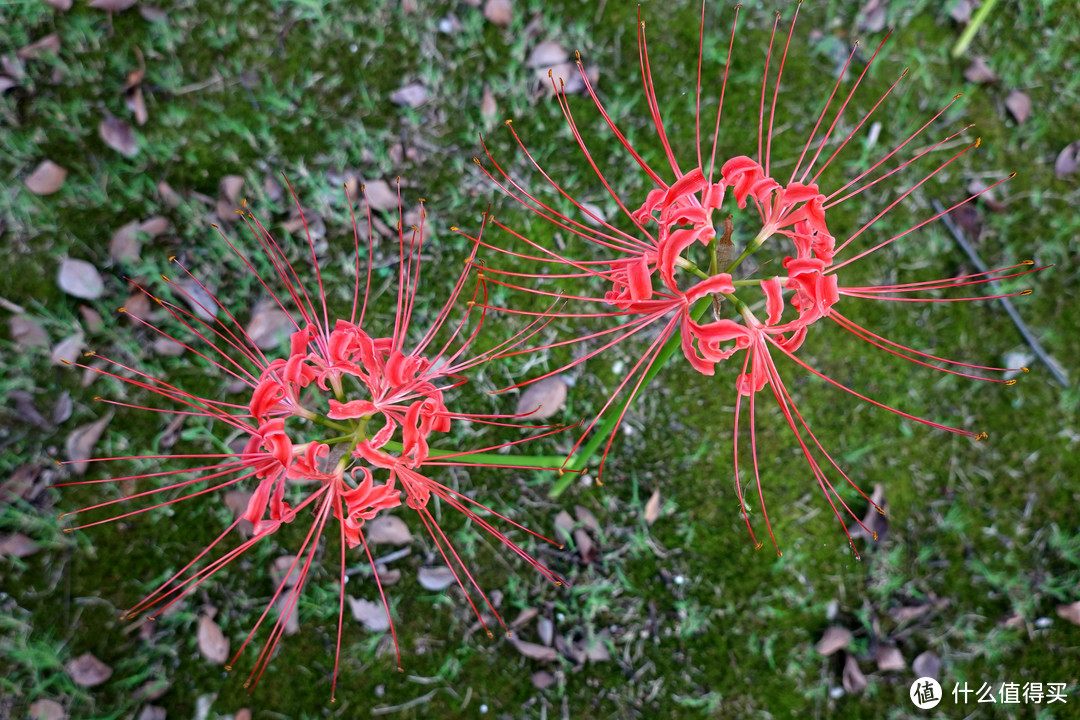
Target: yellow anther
578,56
490,634
166,279
415,229
97,399
508,122
1012,175
172,258
874,533
759,546
880,511
123,310
1024,369
509,633
453,228
1011,382
981,436
550,74
904,74
68,529
561,547
89,353
978,141
1028,262
559,583
1027,292
228,668
957,96
779,553
66,362
361,187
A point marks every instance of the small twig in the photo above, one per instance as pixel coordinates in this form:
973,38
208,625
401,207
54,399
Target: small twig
1028,336
388,709
384,560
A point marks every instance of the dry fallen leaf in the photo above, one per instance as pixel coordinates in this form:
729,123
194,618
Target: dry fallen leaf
435,578
534,651
545,628
47,709
889,658
498,12
169,196
87,671
21,484
80,443
118,135
92,319
489,109
167,347
835,638
26,332
564,524
67,350
872,16
585,546
154,14
853,679
1067,160
412,95
292,623
370,614
134,102
596,650
961,11
1070,612
389,529
61,408
152,712
17,546
652,508
198,298
47,44
979,72
547,54
280,571
542,399
380,196
927,664
61,5
81,279
269,326
231,187
213,645
26,409
1018,104
542,680
113,6
47,178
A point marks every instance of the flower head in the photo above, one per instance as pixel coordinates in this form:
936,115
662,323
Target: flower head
338,429
670,258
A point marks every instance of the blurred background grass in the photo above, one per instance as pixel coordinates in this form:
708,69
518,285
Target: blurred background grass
982,543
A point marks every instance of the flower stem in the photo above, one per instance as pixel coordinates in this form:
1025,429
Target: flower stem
578,460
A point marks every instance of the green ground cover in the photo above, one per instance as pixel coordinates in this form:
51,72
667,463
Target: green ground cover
983,541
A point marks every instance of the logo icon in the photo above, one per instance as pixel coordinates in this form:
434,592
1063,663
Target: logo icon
925,693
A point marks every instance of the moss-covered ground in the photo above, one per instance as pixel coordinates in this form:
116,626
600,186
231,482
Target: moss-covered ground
983,540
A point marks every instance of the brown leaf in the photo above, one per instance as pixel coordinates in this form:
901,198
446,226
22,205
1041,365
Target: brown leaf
81,279
889,658
380,196
7,83
21,484
26,409
87,671
153,712
499,12
564,524
585,546
198,298
17,546
134,102
61,408
1018,103
67,350
853,679
412,95
596,650
280,571
370,614
61,5
489,109
118,135
48,709
230,187
26,332
545,628
292,623
961,11
547,54
167,347
124,246
1070,612
435,578
835,638
586,518
534,651
47,44
542,680
542,399
47,178
213,645
112,6
269,326
988,197
80,443
1067,160
154,14
388,529
979,72
92,319
652,508
169,196
242,714
872,16
927,664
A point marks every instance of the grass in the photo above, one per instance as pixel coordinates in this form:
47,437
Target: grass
983,541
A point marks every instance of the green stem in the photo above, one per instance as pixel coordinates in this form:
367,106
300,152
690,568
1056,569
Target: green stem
548,461
578,460
973,27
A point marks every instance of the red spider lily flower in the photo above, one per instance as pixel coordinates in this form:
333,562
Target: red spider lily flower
645,269
348,413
